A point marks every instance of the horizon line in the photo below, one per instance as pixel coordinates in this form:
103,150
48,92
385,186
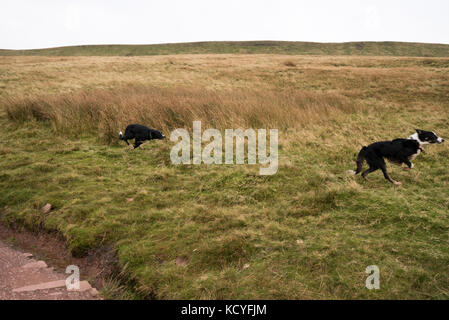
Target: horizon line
223,41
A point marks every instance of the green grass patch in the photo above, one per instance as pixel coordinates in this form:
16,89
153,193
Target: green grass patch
218,232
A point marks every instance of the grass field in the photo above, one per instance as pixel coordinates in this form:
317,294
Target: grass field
247,47
224,231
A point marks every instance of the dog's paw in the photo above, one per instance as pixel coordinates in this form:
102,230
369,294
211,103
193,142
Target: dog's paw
351,172
407,168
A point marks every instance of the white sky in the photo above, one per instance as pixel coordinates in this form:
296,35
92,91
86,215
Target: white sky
26,24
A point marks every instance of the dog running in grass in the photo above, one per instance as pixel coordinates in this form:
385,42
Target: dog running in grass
397,151
140,134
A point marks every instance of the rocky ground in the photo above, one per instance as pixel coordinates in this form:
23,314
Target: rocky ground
23,277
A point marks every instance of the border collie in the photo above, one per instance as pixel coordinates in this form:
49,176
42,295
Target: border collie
397,151
140,134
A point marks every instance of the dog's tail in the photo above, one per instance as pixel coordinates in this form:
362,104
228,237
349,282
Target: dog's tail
360,161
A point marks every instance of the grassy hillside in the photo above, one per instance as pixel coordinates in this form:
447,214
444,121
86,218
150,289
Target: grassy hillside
267,47
224,231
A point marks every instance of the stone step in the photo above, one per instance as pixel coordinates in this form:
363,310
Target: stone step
84,286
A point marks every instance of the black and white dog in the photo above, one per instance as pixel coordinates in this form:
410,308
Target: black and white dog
140,134
397,151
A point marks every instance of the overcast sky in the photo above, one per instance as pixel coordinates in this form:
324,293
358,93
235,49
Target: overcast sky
26,24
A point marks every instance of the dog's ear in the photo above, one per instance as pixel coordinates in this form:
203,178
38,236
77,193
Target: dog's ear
419,131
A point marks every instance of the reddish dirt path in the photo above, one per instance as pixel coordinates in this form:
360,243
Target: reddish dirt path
22,277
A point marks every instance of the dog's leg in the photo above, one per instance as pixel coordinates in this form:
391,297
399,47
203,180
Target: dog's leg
130,147
368,171
137,144
384,170
409,165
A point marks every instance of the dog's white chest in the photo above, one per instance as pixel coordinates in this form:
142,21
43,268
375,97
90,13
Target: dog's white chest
413,156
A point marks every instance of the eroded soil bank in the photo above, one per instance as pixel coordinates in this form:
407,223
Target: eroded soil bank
36,263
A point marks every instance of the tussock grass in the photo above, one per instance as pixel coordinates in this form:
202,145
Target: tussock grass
105,112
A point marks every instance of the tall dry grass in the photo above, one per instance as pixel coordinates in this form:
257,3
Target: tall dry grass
105,112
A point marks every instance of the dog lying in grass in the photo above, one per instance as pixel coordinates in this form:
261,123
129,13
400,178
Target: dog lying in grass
140,134
397,151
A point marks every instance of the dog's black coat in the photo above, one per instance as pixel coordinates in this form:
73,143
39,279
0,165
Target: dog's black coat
140,134
398,151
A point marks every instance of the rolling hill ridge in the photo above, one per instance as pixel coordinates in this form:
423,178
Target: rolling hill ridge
246,47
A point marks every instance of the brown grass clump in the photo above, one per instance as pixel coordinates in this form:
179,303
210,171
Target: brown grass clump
289,63
107,111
